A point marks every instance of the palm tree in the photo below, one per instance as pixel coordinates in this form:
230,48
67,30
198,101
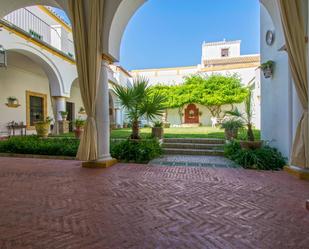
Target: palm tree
139,103
247,116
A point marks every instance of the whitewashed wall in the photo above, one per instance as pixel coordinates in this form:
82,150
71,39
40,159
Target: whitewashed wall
279,103
20,76
213,50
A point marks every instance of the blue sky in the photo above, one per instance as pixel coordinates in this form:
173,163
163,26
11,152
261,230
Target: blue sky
169,33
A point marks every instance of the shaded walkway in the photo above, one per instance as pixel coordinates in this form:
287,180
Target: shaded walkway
49,204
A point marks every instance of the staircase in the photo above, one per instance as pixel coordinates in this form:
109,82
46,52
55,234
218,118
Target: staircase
193,146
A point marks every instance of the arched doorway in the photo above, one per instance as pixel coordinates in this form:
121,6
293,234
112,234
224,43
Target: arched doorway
191,114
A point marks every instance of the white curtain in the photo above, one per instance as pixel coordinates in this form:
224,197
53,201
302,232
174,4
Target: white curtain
87,24
293,19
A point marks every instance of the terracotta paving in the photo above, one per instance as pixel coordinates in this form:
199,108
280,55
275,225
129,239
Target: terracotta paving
49,204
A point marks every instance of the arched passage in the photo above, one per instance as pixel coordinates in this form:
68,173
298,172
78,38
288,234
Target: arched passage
51,71
28,80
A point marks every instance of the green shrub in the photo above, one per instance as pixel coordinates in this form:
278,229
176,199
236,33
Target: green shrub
232,124
37,146
138,151
265,158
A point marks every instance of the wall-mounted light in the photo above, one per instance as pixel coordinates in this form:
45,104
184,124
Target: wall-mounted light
3,57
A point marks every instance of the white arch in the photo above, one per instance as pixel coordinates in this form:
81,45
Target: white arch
8,6
120,20
50,69
126,9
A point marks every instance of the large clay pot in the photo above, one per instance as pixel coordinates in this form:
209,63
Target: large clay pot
157,132
78,132
42,129
231,134
251,145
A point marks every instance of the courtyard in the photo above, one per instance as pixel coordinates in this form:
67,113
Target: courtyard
49,204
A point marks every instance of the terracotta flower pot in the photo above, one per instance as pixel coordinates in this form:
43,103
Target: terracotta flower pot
231,134
42,129
78,132
157,132
251,145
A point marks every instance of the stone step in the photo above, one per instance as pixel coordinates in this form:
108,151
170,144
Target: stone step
194,140
200,152
193,146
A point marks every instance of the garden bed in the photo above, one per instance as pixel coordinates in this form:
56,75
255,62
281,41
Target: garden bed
265,158
140,151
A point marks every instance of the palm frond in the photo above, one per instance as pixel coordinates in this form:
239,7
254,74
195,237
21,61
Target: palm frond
153,107
235,113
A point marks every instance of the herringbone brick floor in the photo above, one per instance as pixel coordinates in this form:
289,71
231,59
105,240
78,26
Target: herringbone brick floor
46,204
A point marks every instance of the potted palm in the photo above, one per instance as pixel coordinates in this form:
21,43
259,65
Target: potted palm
42,127
246,117
157,130
231,127
79,127
139,103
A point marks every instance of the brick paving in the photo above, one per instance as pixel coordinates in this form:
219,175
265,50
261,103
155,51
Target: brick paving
50,204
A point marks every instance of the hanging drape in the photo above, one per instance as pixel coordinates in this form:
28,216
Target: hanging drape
292,18
87,23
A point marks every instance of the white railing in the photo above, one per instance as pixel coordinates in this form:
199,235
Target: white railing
38,28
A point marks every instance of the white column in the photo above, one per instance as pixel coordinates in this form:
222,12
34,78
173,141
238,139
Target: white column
102,115
59,104
118,117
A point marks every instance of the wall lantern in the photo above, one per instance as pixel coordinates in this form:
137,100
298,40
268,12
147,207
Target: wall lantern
3,57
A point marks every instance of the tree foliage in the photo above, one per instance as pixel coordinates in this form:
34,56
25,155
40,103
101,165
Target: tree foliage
212,91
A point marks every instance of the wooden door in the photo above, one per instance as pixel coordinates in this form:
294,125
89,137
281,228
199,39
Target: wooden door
70,107
192,114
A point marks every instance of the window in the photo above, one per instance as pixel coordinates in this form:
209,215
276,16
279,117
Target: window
225,52
36,108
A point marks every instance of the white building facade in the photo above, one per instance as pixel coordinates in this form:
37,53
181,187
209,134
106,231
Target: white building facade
223,58
41,72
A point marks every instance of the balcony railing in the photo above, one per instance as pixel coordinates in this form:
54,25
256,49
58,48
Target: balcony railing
41,30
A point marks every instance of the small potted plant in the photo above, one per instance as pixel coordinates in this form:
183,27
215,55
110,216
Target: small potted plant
12,102
79,127
231,127
268,68
157,130
64,115
42,127
82,110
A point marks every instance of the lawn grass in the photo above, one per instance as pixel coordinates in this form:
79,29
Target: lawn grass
192,132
